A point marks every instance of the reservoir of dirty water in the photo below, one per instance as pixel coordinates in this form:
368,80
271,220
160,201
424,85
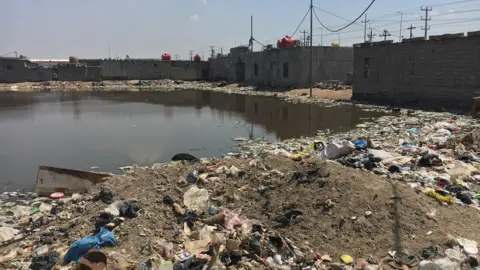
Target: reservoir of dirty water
104,130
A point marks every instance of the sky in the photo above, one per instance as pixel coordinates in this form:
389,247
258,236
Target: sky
57,29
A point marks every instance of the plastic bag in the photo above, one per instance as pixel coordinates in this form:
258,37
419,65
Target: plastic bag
336,149
233,218
196,198
81,247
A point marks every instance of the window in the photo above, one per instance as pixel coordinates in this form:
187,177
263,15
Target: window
255,69
366,67
285,70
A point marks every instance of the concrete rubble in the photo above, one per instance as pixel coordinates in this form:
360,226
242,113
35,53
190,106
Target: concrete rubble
303,203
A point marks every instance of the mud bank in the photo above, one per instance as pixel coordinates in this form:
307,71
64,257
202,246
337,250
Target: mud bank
169,85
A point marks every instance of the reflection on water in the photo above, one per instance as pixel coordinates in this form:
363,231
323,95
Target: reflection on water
81,130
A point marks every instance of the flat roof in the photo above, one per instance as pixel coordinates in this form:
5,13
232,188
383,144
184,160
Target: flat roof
48,60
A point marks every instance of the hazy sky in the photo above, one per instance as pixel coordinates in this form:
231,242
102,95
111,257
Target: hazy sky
148,28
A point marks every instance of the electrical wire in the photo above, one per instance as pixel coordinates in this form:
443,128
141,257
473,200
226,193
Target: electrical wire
463,21
457,12
354,21
258,42
358,24
298,27
406,11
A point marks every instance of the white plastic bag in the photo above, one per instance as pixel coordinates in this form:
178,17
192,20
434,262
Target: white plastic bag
196,198
335,150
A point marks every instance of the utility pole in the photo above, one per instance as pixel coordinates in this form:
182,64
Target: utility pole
177,56
321,36
251,33
426,19
365,28
108,50
191,54
385,34
401,20
371,35
212,51
304,40
411,28
311,47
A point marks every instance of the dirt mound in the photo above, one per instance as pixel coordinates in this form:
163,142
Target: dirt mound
332,209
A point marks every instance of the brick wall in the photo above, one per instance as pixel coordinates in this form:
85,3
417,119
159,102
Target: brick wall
430,73
80,73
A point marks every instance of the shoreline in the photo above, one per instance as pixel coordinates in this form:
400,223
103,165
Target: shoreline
322,97
347,199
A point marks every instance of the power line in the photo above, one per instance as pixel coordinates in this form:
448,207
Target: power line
449,23
358,24
354,21
301,22
457,12
410,10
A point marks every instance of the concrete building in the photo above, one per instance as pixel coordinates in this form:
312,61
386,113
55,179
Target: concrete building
441,71
152,69
290,67
22,70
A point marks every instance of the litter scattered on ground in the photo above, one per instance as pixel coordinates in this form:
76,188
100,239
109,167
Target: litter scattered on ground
398,192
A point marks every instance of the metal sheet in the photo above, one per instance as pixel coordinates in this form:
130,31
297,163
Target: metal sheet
53,179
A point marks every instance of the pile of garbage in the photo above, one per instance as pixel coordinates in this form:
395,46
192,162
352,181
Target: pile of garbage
331,85
436,153
270,212
400,191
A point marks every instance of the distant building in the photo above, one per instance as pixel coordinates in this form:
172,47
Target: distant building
442,71
49,62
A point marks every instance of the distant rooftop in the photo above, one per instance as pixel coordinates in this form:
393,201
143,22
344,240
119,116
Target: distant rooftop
49,60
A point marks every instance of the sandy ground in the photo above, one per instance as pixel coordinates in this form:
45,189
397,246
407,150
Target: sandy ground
323,93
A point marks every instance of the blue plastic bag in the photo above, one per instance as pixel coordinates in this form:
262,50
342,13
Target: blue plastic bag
360,144
81,247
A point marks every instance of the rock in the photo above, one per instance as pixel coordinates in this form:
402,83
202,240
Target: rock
360,264
368,213
337,266
326,258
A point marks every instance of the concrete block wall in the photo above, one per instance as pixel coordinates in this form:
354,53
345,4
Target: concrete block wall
442,72
220,69
147,69
14,70
329,63
79,73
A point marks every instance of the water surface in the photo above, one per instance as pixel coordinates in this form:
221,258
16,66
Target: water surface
85,130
